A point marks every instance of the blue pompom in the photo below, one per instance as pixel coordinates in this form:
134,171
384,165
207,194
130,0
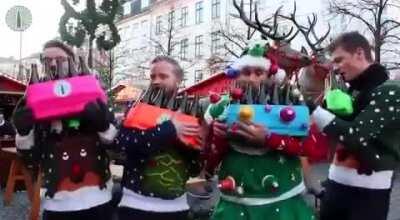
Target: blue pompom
232,73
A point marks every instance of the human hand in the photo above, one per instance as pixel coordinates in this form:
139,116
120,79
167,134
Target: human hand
251,133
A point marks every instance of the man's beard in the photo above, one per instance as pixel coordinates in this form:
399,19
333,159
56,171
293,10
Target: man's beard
166,92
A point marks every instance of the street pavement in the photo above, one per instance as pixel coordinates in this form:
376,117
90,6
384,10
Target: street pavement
19,208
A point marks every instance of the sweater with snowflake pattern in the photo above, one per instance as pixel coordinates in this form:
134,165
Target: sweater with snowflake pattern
373,131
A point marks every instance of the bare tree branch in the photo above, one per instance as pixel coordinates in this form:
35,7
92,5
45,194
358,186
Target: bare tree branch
230,51
372,14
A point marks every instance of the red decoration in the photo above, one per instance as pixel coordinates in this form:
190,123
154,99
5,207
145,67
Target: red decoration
228,184
236,93
214,98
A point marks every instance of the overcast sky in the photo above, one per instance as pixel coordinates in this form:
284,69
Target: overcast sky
45,13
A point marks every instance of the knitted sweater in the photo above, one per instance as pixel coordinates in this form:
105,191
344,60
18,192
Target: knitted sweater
372,133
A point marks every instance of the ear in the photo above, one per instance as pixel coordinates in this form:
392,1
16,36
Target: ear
360,53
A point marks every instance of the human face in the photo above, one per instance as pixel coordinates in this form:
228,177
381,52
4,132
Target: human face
348,65
162,76
252,75
50,57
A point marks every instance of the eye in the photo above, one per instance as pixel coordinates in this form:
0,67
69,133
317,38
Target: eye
259,72
245,72
83,153
65,156
163,76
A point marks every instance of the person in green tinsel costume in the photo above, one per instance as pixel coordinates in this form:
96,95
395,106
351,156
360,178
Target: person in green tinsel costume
260,171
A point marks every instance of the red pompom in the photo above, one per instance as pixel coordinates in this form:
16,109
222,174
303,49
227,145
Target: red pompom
214,98
237,93
228,184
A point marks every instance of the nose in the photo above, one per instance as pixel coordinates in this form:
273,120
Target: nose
53,62
156,81
253,78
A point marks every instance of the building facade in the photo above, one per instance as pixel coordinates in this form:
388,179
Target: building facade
192,31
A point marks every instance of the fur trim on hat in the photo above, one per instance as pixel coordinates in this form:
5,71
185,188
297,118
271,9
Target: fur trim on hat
248,60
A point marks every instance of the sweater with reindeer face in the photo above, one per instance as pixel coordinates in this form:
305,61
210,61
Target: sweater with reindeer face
73,162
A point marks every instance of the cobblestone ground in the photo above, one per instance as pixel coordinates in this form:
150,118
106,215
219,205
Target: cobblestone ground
19,208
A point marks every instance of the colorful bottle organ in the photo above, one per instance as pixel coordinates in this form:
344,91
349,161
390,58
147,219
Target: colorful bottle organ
64,97
155,109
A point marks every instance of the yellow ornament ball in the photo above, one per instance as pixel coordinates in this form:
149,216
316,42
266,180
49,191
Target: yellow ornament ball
246,114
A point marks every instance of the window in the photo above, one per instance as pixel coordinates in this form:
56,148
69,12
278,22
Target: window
199,12
184,49
158,24
215,9
127,8
215,42
198,75
184,16
136,7
145,4
184,80
198,43
171,19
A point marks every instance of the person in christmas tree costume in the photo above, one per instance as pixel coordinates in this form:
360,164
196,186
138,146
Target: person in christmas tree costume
158,163
360,177
261,173
69,151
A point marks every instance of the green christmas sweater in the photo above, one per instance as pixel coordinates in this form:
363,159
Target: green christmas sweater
373,132
157,164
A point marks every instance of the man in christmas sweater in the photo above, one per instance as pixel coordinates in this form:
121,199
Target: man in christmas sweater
360,177
158,164
262,168
69,151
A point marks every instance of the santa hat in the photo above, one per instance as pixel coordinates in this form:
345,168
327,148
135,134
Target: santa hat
255,55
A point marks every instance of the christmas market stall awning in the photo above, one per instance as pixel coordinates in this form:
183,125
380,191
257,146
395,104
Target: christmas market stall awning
218,83
10,85
123,93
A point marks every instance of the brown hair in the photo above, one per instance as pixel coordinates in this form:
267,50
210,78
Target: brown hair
350,42
61,45
178,69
